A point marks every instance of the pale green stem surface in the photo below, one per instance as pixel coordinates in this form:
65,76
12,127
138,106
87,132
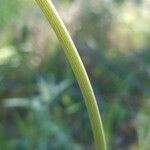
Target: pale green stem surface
78,68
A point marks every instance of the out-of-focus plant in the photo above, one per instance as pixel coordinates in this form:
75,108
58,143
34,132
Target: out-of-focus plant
39,130
143,126
8,10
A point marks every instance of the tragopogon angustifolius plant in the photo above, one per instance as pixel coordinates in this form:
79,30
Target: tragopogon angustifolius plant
78,68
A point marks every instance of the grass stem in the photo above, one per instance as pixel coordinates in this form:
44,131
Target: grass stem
78,68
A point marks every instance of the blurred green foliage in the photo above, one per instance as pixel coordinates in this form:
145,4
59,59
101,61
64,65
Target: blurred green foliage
41,104
8,11
143,126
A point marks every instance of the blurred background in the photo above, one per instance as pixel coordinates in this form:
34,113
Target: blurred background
41,106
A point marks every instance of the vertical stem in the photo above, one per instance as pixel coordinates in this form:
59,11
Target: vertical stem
78,68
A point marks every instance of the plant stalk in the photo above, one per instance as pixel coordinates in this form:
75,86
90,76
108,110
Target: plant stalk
78,68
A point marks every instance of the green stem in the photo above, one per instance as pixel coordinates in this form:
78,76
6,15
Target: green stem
78,68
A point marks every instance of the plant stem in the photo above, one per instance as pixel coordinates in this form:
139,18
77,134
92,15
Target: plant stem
78,68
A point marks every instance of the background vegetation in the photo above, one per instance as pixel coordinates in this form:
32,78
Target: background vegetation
41,105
